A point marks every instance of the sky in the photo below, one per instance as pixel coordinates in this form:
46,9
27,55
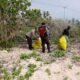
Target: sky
61,9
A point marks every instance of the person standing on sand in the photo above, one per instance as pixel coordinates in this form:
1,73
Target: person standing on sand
44,37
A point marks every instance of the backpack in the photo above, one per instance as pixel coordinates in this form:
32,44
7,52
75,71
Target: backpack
42,31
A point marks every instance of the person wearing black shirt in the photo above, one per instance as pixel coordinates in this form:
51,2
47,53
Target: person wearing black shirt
66,31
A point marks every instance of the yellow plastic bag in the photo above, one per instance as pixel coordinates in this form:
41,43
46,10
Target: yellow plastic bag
37,43
63,43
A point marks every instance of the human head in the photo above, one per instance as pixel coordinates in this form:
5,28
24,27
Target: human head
68,28
42,23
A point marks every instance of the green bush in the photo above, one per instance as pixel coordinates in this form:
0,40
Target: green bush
48,71
30,71
21,78
34,54
76,58
58,53
7,43
39,59
28,74
7,76
16,71
25,56
32,66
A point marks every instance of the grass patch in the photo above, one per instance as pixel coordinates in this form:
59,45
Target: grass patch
16,71
28,74
25,56
21,78
48,71
65,78
31,66
1,66
58,53
50,61
39,59
70,66
76,58
34,54
30,71
7,76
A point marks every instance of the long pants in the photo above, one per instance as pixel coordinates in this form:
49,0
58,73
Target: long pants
29,41
45,40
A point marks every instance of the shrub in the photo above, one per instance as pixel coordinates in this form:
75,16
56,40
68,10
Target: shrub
34,54
21,78
7,76
76,58
70,66
48,71
58,53
32,66
65,78
16,71
24,56
39,59
31,70
28,74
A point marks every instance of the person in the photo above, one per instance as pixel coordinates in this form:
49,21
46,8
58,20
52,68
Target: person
30,36
44,37
66,32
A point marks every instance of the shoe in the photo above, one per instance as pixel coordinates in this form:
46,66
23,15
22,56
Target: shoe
49,51
43,51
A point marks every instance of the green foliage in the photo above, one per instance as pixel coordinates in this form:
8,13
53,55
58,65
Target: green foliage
76,58
25,56
48,71
21,78
1,66
30,71
34,54
70,66
28,74
35,17
39,59
7,43
32,66
65,78
7,76
9,12
16,71
58,53
54,40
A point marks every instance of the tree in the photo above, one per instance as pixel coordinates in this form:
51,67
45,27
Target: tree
34,16
9,10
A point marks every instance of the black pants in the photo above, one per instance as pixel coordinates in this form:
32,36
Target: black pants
29,41
45,40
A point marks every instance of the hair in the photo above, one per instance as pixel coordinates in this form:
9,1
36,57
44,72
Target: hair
43,23
68,27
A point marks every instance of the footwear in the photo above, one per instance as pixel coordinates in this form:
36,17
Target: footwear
43,51
49,51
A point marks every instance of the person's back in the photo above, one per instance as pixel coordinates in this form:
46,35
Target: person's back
44,37
42,30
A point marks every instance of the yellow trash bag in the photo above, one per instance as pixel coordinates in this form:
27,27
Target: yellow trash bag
63,43
37,43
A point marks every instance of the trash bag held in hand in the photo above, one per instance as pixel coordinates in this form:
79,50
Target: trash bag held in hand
63,43
37,43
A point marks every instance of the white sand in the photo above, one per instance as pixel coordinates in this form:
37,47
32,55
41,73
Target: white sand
59,69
